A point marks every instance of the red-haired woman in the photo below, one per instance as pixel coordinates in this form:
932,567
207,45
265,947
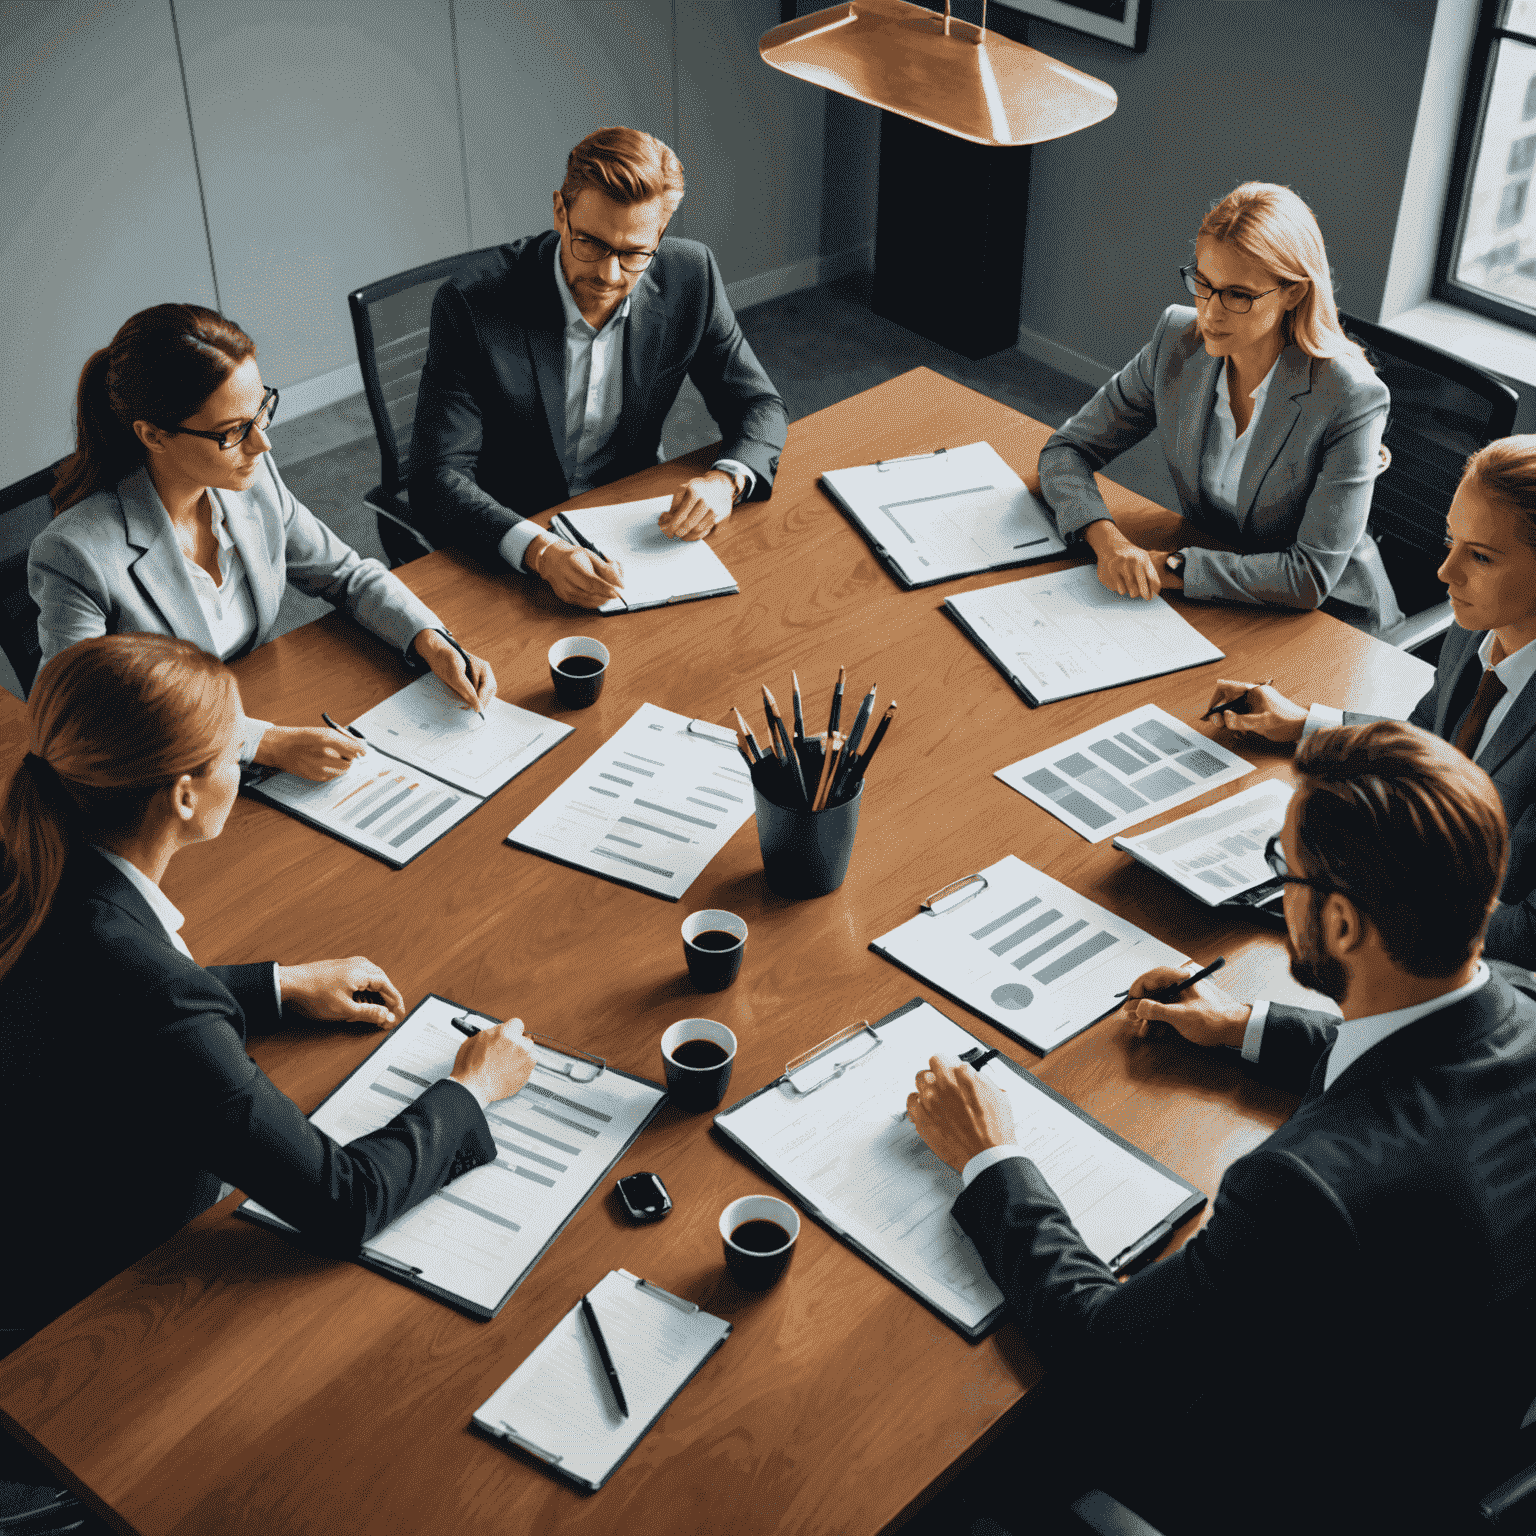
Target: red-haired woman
1270,419
125,1074
171,518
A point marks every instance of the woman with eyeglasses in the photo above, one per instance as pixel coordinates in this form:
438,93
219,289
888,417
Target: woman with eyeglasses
170,518
1270,419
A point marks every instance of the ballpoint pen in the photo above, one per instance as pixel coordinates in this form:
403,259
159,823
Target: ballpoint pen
344,730
856,774
604,1356
860,720
1239,705
836,716
572,532
799,712
469,676
1172,990
463,1025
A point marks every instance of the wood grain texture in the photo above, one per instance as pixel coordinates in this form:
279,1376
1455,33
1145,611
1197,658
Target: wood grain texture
231,1383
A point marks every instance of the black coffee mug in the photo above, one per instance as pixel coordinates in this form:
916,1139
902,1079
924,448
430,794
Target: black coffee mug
714,942
577,667
758,1233
697,1055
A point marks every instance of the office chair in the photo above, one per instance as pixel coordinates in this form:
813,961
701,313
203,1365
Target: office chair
390,319
25,511
1443,410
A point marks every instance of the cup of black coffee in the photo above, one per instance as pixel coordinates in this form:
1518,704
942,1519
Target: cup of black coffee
578,666
758,1232
697,1055
714,943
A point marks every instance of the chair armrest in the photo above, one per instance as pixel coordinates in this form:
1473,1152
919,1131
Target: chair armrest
1419,628
401,539
1107,1516
1502,1501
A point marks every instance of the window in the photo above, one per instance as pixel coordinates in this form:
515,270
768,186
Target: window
1488,251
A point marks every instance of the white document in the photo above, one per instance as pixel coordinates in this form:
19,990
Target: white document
556,1138
658,569
558,1404
1026,952
429,761
1124,771
848,1151
946,514
1218,853
651,808
1056,636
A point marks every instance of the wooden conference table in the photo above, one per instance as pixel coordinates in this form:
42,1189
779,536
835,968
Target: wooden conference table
230,1382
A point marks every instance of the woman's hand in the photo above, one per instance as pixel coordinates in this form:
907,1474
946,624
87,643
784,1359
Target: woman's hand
1123,567
576,576
475,683
1269,713
495,1063
312,752
324,990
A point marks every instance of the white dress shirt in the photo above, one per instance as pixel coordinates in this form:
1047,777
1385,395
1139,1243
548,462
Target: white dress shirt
1225,452
594,401
1515,671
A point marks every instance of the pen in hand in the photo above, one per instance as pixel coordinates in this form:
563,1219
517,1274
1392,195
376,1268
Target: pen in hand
1169,993
468,676
1239,705
604,1356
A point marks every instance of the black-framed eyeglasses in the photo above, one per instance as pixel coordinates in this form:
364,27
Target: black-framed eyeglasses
589,248
1234,301
232,437
1274,856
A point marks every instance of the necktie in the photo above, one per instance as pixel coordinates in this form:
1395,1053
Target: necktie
1489,691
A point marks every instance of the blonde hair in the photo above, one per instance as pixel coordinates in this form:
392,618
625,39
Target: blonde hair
1271,225
112,721
626,165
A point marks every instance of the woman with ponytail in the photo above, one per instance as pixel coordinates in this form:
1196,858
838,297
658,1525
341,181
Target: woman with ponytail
1270,419
123,1071
171,518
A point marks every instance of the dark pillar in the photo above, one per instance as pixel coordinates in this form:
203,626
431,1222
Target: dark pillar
949,236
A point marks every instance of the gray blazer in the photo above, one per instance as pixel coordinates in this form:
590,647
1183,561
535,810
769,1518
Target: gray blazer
1305,490
111,565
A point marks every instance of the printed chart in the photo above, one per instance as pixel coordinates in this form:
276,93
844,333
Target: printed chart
651,808
1026,952
1121,773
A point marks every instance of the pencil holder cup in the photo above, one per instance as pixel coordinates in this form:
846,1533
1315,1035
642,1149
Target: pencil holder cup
806,854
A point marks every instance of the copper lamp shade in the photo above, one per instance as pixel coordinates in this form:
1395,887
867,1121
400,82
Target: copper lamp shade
949,74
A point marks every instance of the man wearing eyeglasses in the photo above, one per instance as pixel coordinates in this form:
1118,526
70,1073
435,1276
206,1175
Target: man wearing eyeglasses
551,369
1350,1341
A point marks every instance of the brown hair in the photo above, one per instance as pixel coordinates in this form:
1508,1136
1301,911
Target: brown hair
160,368
1411,831
1271,225
1505,471
112,721
625,164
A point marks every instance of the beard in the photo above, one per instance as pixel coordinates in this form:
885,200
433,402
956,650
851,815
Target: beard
1311,965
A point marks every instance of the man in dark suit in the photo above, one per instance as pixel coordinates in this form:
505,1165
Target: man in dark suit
1353,1332
552,367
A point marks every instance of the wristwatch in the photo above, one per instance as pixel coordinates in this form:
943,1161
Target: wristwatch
1175,561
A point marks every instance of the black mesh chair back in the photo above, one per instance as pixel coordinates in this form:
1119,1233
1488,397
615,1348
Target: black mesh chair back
390,319
1443,410
25,511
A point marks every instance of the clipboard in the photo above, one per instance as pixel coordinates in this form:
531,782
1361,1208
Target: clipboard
564,524
979,1054
584,1069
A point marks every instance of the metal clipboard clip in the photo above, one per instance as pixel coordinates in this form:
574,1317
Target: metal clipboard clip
506,1432
721,735
577,1066
880,464
950,897
661,1295
837,1069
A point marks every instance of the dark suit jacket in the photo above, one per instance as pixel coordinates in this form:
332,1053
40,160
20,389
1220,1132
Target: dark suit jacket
490,412
126,1096
1360,1308
1509,759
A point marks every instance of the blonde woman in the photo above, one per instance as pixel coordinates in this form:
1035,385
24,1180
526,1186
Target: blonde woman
1270,419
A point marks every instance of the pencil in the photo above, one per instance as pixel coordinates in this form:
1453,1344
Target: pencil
745,736
860,720
828,761
799,713
776,720
773,735
837,701
862,766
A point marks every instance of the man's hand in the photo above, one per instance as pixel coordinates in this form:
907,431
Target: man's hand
323,990
475,684
576,576
495,1063
958,1113
1123,567
312,752
699,506
1269,713
1203,1014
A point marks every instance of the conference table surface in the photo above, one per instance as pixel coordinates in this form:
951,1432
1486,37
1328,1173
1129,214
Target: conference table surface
231,1382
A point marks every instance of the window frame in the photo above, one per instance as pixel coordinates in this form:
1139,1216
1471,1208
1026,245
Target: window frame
1479,86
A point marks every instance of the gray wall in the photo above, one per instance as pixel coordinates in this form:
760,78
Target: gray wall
328,137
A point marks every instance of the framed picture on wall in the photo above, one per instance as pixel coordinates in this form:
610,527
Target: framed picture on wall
1116,21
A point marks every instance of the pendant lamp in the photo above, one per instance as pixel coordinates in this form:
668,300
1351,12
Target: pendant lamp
950,74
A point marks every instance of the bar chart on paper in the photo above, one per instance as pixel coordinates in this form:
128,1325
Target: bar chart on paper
1120,773
1026,952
